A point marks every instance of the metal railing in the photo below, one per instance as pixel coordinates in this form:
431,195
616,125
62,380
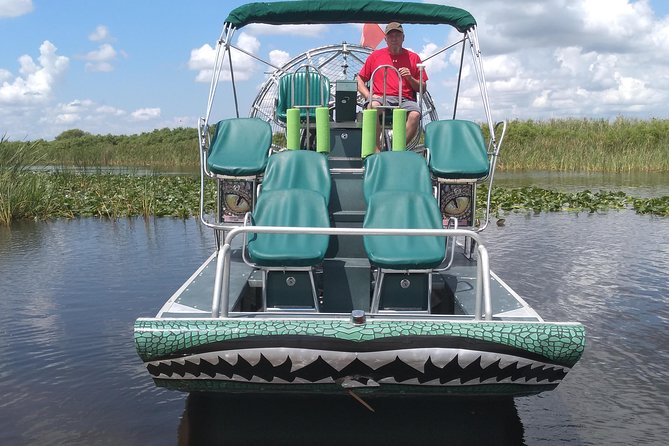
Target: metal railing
221,296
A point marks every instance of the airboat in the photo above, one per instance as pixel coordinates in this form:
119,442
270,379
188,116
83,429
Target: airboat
338,267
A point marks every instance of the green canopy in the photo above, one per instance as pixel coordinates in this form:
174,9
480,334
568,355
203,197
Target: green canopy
349,11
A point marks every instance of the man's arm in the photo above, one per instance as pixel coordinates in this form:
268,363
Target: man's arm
415,83
362,86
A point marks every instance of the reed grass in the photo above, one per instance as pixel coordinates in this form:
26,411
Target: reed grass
572,145
20,189
564,145
159,148
568,145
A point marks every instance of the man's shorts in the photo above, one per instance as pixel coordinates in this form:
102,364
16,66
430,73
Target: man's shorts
407,104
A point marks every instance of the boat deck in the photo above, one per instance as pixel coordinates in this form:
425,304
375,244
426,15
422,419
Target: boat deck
453,293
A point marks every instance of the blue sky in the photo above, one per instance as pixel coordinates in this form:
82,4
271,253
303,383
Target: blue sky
125,67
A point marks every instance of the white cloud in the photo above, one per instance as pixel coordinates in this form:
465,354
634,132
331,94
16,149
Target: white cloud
67,118
15,8
437,63
76,105
202,60
90,116
558,58
101,33
108,110
99,67
616,18
278,58
5,75
35,85
101,59
145,114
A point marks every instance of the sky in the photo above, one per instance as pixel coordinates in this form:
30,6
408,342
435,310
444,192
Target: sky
132,66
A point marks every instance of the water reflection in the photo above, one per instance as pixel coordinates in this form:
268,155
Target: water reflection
241,420
609,272
118,170
69,375
637,184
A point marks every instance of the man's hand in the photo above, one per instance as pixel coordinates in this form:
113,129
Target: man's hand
404,72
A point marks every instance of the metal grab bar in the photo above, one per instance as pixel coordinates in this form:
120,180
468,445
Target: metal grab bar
385,69
221,296
384,107
494,147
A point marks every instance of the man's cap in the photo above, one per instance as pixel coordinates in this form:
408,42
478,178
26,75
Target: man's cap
394,26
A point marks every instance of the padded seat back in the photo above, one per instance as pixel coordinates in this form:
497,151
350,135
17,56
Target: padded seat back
294,85
295,193
297,208
298,169
404,210
240,147
396,171
457,150
398,191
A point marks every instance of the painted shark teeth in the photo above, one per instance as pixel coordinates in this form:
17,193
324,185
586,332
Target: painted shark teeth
421,366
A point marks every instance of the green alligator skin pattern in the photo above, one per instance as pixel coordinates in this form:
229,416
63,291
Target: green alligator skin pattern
559,343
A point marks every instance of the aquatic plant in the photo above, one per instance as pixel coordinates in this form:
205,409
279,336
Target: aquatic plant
114,196
543,200
69,195
20,190
654,206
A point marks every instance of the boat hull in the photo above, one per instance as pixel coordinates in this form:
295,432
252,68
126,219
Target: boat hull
381,356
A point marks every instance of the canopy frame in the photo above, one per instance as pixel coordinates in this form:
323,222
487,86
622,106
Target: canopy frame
348,11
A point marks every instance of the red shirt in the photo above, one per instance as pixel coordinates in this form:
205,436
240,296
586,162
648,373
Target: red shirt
406,58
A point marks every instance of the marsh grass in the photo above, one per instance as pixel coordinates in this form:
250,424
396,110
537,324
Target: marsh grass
568,145
565,145
116,196
572,145
159,148
72,195
20,190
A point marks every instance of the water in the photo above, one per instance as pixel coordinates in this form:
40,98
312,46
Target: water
71,289
636,184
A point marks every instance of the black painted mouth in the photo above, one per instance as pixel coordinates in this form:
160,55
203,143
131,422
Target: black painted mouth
396,371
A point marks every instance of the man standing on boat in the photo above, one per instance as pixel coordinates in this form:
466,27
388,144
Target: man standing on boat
406,62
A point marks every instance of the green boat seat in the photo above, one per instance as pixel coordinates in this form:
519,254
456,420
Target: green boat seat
295,192
405,210
298,169
294,85
396,171
291,207
457,150
240,147
398,192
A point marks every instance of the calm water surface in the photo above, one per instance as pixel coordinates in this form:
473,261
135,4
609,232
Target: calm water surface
69,375
636,184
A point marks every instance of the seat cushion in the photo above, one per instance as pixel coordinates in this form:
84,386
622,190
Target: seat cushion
240,147
407,210
296,208
396,171
457,150
298,169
